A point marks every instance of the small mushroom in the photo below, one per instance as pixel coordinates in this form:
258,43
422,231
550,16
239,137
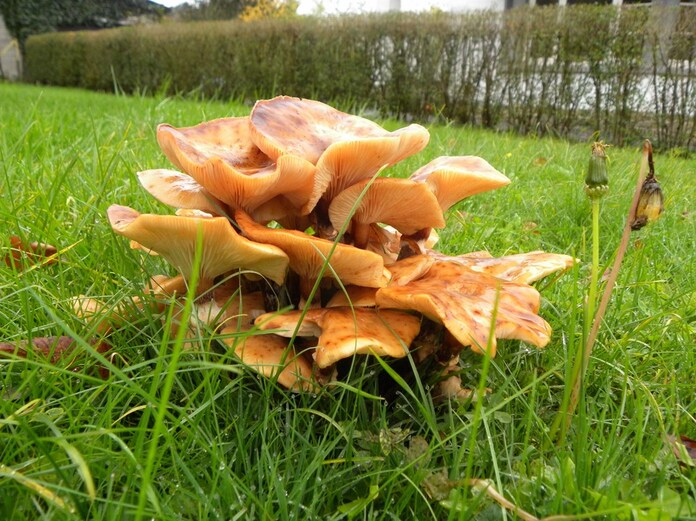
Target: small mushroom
403,204
344,332
175,238
309,254
270,356
465,301
452,179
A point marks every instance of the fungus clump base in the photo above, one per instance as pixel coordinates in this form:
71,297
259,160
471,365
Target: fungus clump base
307,255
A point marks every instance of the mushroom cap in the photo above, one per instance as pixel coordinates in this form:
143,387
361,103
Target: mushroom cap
179,190
220,156
465,301
308,255
409,269
176,238
453,178
345,332
355,296
403,204
345,148
524,268
270,356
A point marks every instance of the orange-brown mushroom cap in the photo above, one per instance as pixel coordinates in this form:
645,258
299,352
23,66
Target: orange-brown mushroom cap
175,238
179,190
403,204
345,332
220,155
309,254
465,301
345,148
270,356
453,178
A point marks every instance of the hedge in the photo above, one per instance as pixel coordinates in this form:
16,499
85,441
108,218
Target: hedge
568,71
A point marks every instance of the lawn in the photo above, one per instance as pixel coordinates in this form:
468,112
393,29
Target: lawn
227,444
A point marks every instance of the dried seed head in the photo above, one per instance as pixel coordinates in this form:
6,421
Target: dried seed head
597,180
650,203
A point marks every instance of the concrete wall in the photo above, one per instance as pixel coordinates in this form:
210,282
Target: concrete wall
10,60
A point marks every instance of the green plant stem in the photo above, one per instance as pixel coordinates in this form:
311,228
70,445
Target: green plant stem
611,281
594,276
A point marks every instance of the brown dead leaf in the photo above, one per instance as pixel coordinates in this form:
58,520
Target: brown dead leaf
540,161
23,255
684,449
54,348
530,226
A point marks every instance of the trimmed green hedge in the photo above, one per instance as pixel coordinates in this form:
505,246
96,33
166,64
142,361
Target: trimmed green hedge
567,71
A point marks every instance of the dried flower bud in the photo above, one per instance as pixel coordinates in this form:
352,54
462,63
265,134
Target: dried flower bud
597,180
650,203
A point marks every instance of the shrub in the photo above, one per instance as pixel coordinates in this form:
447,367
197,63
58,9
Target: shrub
569,71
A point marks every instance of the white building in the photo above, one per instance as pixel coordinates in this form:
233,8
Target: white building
9,54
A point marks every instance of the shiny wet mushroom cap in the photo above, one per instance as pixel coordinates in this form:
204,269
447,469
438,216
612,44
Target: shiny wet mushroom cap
270,356
221,157
180,191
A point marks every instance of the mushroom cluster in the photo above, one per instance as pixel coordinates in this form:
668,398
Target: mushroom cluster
304,256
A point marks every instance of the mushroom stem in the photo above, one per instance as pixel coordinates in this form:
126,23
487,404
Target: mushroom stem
361,234
322,224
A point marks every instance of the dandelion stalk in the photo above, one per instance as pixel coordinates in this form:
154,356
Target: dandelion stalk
641,194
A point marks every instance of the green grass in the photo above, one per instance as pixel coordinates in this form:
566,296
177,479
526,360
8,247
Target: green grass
230,445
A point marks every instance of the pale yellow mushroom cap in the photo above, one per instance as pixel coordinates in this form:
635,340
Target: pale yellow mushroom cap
175,238
345,332
179,190
453,178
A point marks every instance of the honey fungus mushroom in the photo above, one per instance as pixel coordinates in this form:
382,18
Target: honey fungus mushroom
345,148
221,157
222,250
265,193
312,257
343,332
407,206
465,302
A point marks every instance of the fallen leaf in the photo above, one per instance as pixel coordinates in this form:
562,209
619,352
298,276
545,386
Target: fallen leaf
529,225
54,348
684,449
540,161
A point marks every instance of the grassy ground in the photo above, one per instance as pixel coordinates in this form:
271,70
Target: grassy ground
229,445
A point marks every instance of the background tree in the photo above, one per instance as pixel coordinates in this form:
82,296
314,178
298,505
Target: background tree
269,9
26,17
